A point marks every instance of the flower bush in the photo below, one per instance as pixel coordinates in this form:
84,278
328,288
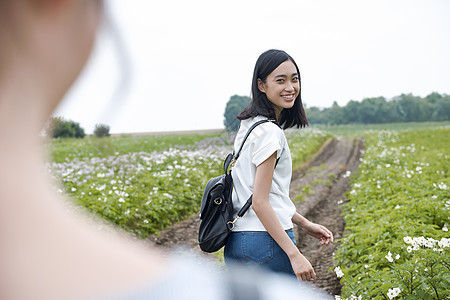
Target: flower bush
401,190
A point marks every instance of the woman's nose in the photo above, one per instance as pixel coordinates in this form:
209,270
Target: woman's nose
289,87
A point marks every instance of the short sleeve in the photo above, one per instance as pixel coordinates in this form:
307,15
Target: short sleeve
266,142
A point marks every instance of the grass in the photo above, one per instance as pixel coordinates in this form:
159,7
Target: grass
359,130
68,149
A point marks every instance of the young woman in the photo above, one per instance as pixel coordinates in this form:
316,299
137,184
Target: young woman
48,251
264,235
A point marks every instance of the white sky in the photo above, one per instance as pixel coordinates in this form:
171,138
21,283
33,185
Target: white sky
187,58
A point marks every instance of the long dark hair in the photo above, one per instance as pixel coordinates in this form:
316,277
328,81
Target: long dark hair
260,105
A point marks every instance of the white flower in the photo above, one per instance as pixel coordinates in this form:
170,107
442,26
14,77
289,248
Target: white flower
392,293
168,195
73,189
388,165
347,174
442,186
407,239
121,200
445,228
409,249
444,243
338,272
397,256
389,257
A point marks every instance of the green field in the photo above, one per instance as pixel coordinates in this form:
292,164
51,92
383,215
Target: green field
397,241
146,183
360,130
71,148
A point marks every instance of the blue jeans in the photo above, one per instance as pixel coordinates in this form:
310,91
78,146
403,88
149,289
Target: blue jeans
257,248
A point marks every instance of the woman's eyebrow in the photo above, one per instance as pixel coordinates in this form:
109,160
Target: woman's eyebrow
284,76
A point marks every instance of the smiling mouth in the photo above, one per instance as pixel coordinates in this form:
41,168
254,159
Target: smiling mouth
288,97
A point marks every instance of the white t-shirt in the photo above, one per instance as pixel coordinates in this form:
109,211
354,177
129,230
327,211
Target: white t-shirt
263,141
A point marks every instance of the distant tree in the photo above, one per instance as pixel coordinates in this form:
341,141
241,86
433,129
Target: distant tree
101,130
351,112
60,128
409,108
442,109
234,106
315,115
372,110
335,114
433,97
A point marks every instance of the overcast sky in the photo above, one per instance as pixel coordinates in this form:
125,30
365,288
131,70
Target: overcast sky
180,61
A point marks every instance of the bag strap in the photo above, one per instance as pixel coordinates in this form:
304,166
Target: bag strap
232,157
248,203
236,156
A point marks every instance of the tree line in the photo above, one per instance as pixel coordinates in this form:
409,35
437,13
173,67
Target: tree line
403,108
58,127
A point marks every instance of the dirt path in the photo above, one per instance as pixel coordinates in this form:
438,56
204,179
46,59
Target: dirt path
326,182
318,189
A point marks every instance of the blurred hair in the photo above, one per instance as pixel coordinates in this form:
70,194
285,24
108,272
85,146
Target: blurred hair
260,105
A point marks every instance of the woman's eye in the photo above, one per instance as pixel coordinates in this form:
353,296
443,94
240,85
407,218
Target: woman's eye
280,80
295,78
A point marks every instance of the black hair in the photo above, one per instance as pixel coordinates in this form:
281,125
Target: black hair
260,105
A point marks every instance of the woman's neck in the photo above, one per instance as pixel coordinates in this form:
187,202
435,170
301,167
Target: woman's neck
278,113
22,115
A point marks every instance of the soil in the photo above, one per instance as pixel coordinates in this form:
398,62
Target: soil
318,189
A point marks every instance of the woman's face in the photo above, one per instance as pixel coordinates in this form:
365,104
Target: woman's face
282,86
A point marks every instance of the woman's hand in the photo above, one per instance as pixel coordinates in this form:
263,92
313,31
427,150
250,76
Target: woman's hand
315,230
318,231
302,267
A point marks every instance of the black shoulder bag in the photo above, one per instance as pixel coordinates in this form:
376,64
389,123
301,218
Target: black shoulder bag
216,210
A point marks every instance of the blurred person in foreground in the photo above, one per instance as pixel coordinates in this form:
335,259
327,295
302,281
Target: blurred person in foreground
48,251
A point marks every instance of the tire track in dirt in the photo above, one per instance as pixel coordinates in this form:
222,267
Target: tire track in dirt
317,189
321,187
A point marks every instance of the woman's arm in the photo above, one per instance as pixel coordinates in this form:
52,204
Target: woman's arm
261,205
315,230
